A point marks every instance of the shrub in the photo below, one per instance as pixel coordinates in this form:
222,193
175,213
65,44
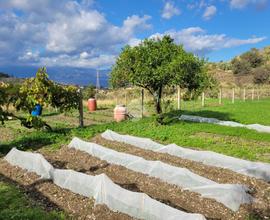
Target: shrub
261,75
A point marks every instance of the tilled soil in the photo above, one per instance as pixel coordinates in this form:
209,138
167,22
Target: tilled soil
260,189
169,194
52,197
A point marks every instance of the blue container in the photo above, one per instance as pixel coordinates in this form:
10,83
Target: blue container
37,111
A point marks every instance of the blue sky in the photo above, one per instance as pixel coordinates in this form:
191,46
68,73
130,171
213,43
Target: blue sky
91,33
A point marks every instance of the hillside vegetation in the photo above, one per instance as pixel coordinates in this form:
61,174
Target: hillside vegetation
251,67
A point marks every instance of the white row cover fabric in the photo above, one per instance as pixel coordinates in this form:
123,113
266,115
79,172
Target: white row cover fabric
257,127
101,188
231,195
253,169
32,162
104,191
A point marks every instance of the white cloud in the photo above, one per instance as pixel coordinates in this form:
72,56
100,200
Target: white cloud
196,40
209,12
63,32
64,60
30,55
170,10
240,4
134,42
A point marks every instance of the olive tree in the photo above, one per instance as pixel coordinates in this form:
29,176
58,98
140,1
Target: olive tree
156,63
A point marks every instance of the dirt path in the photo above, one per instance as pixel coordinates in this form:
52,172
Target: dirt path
260,189
169,194
52,197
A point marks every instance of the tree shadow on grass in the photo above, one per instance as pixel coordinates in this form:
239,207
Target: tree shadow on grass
47,114
173,116
31,192
26,143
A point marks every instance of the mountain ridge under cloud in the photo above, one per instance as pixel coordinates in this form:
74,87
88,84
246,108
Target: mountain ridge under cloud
77,76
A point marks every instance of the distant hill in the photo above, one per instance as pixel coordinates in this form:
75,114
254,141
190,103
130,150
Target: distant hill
4,75
251,67
77,76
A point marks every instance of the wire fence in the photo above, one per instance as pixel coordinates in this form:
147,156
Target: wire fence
140,102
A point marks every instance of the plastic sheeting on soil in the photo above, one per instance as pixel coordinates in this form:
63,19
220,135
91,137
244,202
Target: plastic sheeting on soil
101,188
257,127
231,195
253,169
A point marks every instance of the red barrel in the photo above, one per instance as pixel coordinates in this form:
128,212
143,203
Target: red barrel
92,105
120,113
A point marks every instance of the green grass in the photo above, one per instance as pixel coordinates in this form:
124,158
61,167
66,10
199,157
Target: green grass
252,145
15,205
248,112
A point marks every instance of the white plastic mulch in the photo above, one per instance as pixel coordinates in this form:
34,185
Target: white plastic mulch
100,187
253,169
257,127
231,195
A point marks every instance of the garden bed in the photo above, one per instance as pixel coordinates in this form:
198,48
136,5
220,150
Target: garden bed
169,194
52,197
260,189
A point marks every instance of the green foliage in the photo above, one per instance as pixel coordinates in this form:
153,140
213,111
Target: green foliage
89,92
240,66
3,101
261,75
245,63
253,57
157,63
37,90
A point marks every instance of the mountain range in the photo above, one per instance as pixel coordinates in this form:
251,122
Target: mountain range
77,76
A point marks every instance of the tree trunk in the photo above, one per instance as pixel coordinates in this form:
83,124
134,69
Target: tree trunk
157,98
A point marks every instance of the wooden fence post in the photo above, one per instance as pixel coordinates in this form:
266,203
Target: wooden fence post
178,98
220,96
252,94
142,102
233,95
244,94
203,101
258,93
80,108
126,98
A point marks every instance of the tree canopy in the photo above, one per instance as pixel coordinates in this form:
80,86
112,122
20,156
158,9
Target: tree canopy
156,63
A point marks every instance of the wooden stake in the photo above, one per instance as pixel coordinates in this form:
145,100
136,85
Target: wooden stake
220,96
244,94
126,98
233,93
203,99
252,94
80,108
178,98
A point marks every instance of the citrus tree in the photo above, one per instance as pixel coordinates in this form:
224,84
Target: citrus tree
156,63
